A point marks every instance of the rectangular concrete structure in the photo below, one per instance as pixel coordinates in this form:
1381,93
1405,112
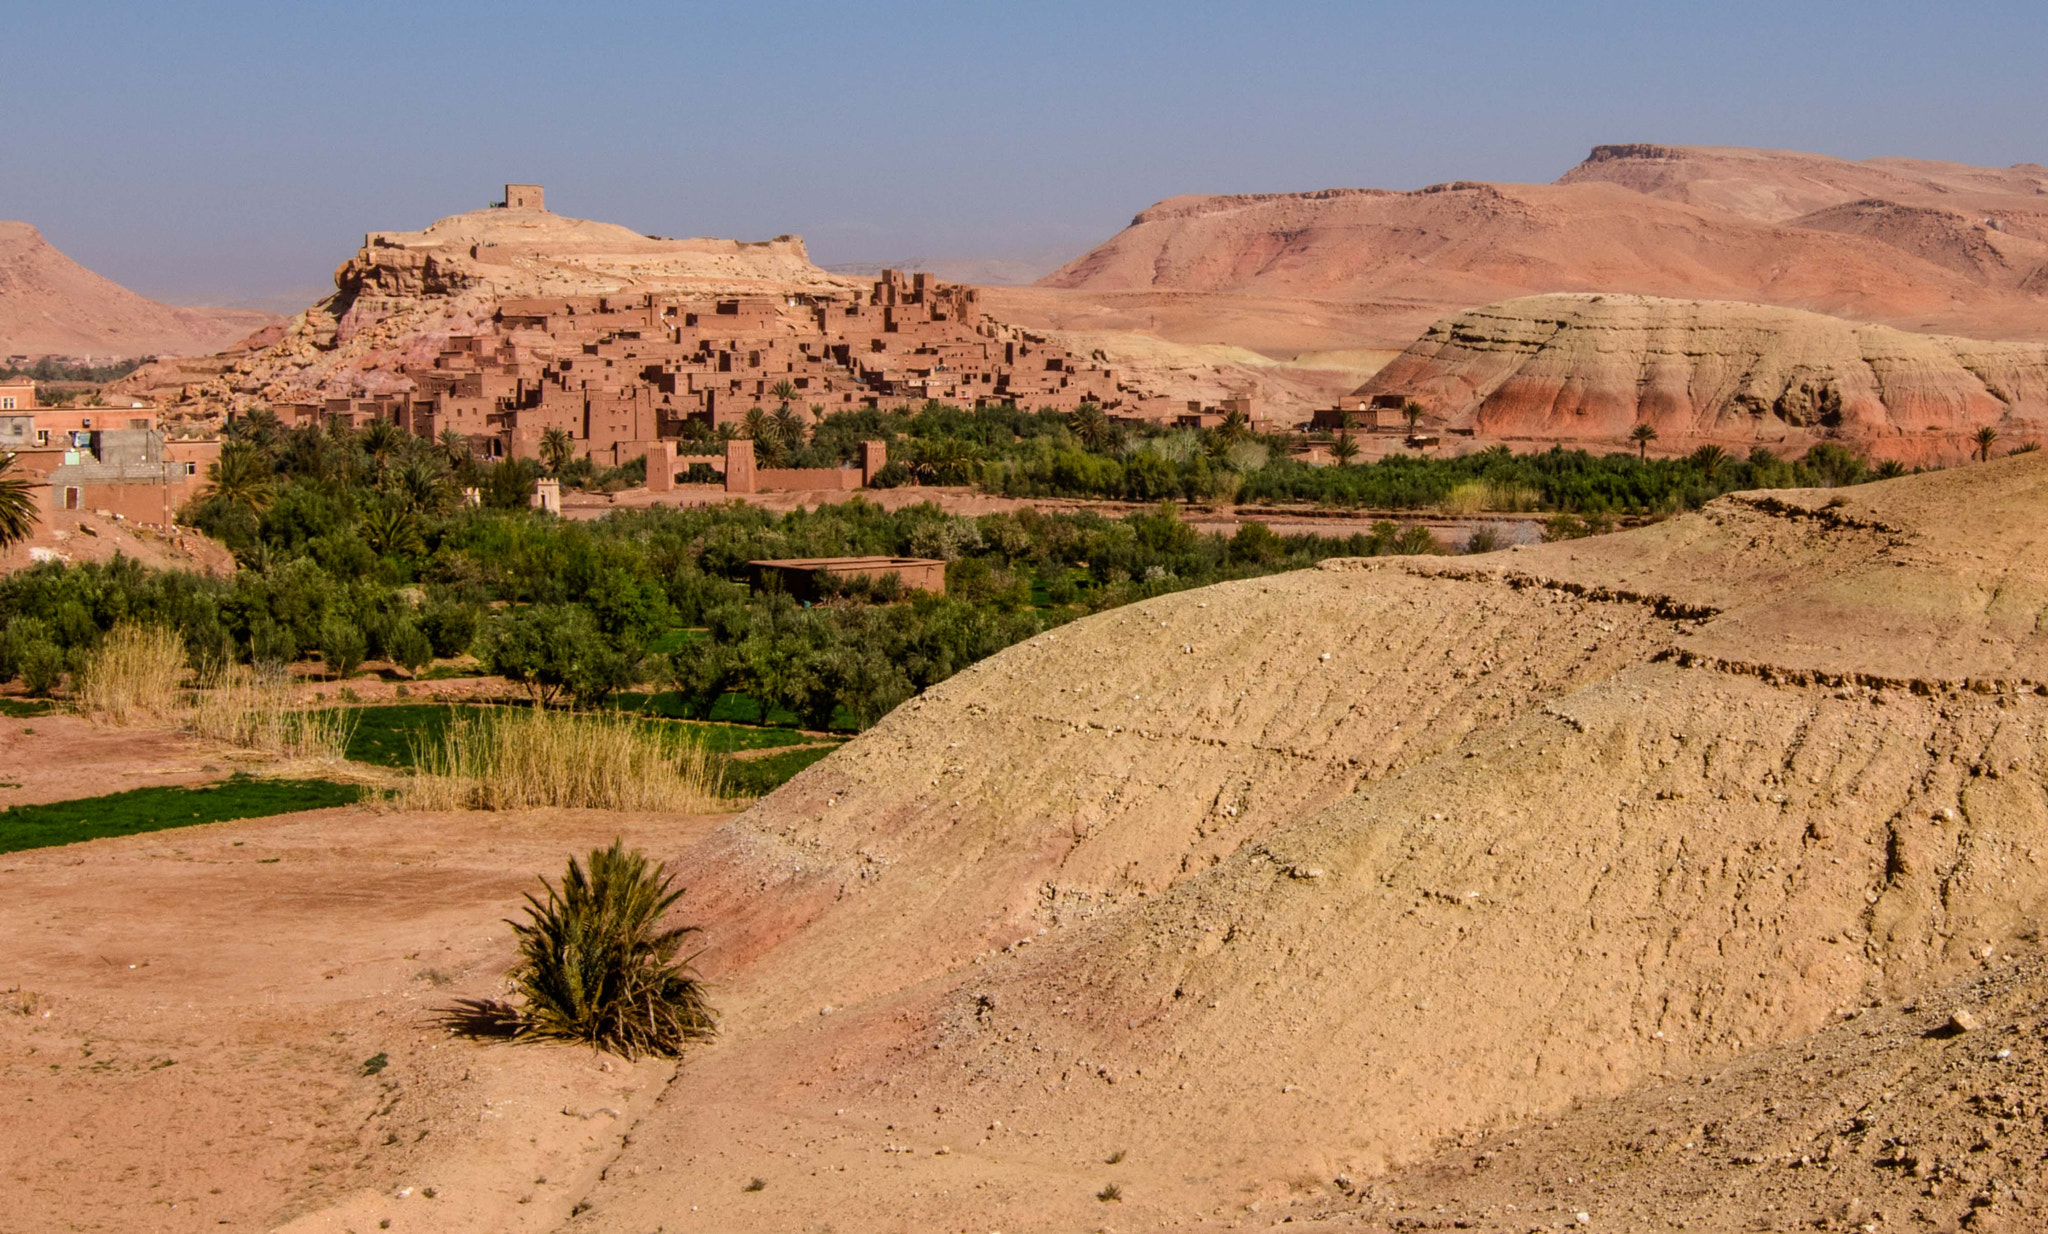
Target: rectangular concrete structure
799,575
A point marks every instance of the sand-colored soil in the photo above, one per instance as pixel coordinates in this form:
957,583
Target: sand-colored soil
1539,830
188,1015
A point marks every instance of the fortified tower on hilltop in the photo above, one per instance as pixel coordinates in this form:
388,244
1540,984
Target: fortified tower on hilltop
525,197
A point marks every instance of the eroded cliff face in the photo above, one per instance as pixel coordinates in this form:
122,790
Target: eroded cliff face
1593,367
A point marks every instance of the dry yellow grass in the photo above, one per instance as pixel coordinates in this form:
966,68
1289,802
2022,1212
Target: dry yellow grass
251,710
1476,496
518,758
136,675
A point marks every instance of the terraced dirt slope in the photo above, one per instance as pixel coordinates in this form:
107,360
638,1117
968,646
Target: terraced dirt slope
1592,367
1256,886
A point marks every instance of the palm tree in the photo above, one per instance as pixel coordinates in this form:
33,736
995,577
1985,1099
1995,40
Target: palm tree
391,532
259,426
1985,437
381,438
754,425
1890,469
788,425
456,446
1344,448
557,447
727,432
1090,426
241,477
1709,460
784,392
17,504
1642,435
420,484
1236,426
1412,410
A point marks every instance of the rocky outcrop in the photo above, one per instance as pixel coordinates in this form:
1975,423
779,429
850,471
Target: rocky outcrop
1593,367
400,297
51,305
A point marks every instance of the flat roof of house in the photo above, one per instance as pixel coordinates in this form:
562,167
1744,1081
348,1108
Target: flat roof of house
845,563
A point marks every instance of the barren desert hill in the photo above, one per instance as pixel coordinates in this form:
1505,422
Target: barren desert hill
1779,186
1228,894
1951,248
1592,367
51,305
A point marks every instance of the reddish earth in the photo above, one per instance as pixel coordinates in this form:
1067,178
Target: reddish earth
1913,244
51,305
189,1015
82,535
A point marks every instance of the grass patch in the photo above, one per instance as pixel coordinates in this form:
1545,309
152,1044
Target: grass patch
387,736
675,640
134,675
757,777
158,809
23,708
515,758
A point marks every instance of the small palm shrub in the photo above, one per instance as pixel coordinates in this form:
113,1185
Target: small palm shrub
596,966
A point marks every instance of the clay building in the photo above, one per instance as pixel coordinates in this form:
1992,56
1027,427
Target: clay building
1370,413
525,197
617,372
127,469
801,576
17,394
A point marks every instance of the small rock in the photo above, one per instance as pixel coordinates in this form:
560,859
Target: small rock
1583,1218
1962,1021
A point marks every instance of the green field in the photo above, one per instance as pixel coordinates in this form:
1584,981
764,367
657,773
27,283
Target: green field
757,777
156,809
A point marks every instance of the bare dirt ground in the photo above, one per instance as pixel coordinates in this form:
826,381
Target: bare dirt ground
81,535
190,1019
61,757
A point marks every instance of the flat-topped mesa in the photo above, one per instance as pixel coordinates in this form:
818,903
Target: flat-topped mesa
1634,150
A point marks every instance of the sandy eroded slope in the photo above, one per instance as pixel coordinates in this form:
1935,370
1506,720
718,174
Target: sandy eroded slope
1542,828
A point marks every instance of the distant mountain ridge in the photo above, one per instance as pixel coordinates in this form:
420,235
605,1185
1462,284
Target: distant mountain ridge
51,305
1912,243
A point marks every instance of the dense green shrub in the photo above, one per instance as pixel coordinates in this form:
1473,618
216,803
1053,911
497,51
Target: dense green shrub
596,964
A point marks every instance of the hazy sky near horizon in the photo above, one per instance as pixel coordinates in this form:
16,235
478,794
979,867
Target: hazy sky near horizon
221,152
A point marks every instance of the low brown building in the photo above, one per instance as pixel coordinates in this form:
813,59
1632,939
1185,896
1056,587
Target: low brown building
801,576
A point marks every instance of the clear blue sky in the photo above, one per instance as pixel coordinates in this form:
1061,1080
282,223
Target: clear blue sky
205,152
